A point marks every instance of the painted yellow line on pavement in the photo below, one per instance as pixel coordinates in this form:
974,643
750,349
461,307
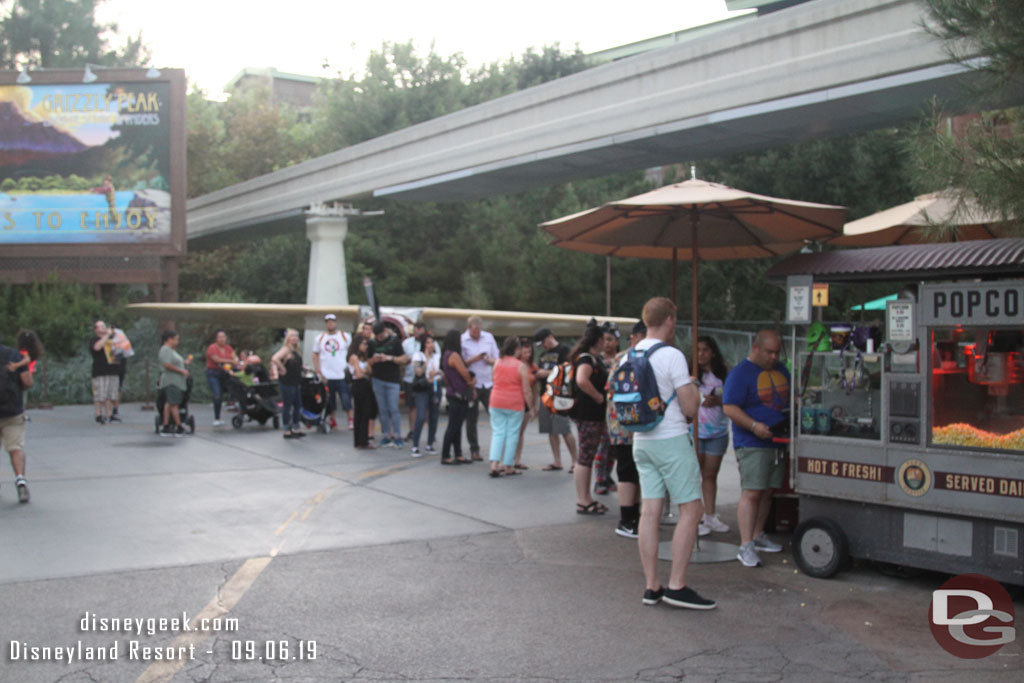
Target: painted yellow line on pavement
227,597
286,523
382,472
225,600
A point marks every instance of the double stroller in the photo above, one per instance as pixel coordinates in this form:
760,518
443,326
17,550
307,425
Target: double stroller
187,419
257,401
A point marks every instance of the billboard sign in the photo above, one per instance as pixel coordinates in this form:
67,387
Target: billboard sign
95,165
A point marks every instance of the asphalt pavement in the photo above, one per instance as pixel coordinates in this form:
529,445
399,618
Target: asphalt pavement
313,561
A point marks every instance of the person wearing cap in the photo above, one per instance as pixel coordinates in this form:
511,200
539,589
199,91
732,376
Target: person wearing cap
480,353
551,354
330,358
387,359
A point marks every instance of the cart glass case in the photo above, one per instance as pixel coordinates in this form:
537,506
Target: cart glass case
977,388
840,394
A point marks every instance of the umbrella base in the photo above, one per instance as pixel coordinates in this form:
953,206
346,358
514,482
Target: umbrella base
704,552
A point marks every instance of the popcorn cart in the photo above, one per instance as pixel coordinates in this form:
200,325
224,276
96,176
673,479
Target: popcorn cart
909,447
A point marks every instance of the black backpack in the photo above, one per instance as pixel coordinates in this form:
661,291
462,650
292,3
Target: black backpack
10,385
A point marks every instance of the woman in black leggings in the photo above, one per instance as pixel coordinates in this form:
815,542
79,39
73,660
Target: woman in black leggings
364,404
458,383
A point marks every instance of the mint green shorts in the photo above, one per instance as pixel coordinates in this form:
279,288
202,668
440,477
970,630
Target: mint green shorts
668,465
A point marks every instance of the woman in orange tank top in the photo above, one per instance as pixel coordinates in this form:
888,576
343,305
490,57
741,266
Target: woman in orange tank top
510,392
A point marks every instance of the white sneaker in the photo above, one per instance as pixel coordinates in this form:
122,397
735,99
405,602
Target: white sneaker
218,423
416,452
715,524
766,545
748,555
703,530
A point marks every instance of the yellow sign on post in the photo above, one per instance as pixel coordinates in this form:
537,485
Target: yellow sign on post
819,294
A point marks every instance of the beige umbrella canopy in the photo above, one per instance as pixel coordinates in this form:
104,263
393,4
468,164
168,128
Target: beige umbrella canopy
695,220
909,223
731,224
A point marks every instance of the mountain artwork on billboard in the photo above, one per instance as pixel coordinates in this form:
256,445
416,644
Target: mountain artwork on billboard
85,163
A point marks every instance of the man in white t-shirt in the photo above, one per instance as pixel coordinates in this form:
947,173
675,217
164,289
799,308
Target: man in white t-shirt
667,463
330,358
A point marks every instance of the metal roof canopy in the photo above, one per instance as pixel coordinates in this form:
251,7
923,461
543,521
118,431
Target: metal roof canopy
978,258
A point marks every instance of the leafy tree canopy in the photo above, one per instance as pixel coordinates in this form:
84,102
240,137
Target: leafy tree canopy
53,34
985,159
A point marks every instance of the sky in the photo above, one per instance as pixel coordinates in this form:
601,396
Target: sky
215,39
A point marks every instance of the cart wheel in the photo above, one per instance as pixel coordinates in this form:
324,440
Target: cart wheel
236,421
191,424
277,422
819,547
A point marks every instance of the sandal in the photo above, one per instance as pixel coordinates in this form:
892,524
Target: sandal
462,461
510,473
495,474
447,461
594,508
522,467
551,468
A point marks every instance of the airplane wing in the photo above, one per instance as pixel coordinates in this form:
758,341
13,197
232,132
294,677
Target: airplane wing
438,320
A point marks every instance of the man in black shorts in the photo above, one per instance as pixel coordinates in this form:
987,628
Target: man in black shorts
551,354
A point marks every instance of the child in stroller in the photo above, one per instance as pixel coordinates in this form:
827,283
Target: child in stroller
314,394
255,394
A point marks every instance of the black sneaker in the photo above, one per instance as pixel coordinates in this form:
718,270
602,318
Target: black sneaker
114,418
167,430
100,420
653,597
687,597
179,431
626,530
22,491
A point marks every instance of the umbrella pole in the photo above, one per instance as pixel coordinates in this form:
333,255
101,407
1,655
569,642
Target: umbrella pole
608,286
675,267
695,369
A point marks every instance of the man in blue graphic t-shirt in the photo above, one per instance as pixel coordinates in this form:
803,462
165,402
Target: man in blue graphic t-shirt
755,398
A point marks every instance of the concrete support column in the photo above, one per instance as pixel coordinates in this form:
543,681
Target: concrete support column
327,285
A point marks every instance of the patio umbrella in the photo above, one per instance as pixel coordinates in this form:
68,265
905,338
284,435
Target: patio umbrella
697,220
908,223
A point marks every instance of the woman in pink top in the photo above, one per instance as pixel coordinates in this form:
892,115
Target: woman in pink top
510,392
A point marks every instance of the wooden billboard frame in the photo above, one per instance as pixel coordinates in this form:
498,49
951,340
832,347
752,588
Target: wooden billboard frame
176,246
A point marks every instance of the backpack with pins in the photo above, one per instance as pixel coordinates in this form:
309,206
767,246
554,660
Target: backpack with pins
635,392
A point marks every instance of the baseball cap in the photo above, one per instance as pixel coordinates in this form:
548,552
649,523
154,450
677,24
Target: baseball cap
330,316
541,334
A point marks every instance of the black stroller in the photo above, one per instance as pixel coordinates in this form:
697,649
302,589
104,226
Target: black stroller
256,402
314,397
187,419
